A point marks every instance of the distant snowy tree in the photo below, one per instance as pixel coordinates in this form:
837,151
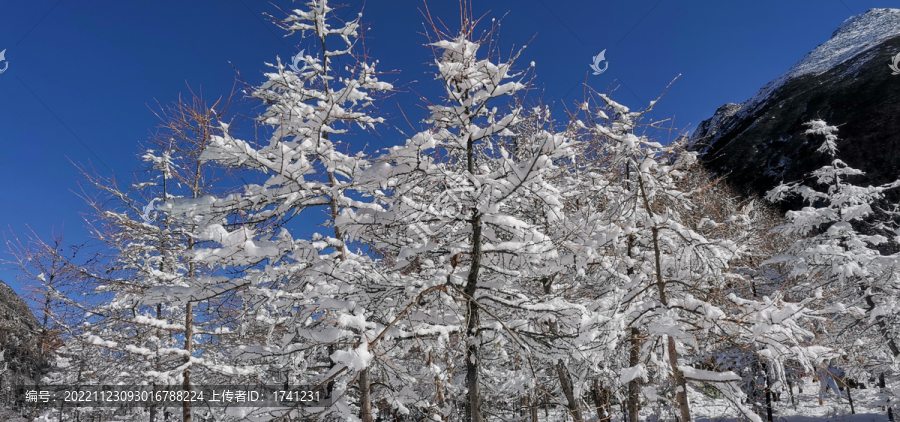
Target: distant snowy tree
837,255
51,273
675,259
154,316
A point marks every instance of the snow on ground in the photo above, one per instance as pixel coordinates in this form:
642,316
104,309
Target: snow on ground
7,415
867,402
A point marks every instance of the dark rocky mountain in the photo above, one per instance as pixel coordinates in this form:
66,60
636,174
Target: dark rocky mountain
846,81
19,331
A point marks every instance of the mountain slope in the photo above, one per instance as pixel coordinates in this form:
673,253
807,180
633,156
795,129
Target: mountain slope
845,81
18,336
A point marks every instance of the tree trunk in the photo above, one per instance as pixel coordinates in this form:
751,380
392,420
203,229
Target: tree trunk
152,406
850,399
768,395
155,388
439,396
563,373
601,402
365,400
472,382
680,383
188,347
634,399
365,389
791,389
473,413
678,377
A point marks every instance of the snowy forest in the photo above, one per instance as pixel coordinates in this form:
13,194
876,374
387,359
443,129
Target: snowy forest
500,263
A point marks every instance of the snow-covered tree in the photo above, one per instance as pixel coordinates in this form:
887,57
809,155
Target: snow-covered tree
495,264
308,297
675,263
837,255
463,213
153,315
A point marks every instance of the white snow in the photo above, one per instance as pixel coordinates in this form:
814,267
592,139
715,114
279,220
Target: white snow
703,375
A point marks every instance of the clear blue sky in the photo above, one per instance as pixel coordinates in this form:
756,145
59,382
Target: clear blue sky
81,73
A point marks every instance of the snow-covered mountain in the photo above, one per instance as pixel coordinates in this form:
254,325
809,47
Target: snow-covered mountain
846,81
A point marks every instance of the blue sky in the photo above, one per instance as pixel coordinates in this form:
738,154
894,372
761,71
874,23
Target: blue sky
81,74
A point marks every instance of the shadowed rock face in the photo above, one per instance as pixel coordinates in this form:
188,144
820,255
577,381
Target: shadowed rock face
761,142
19,330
